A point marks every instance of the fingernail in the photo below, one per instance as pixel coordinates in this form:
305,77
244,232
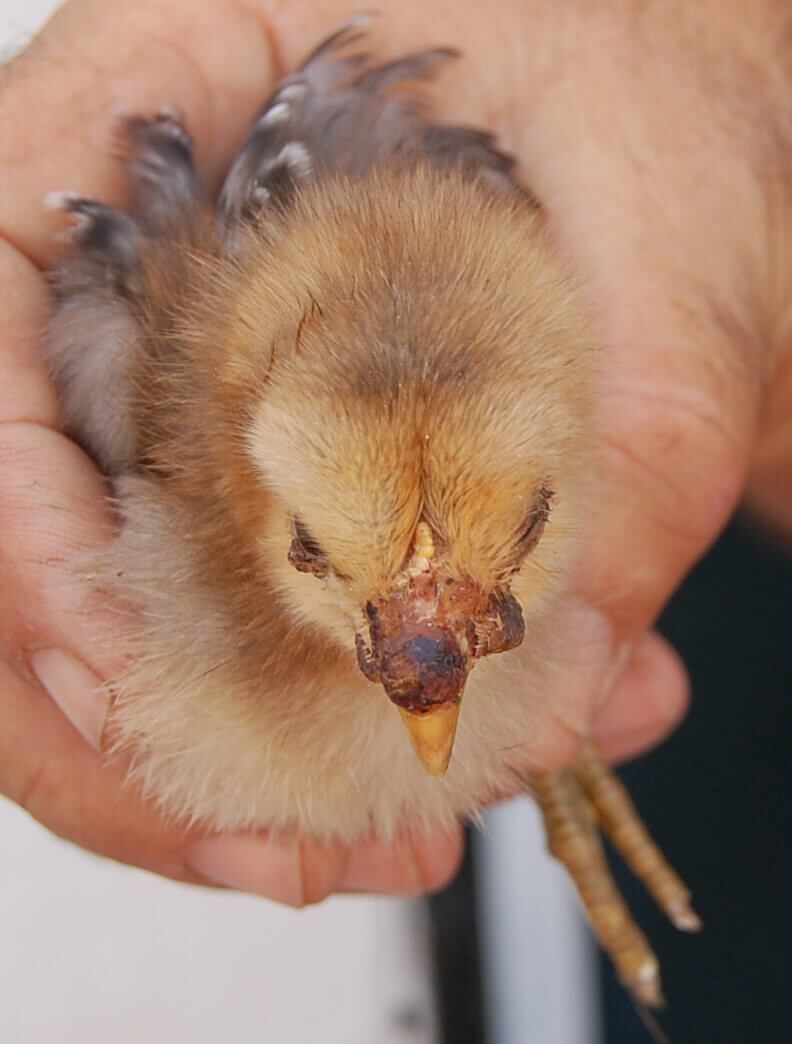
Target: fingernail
383,869
75,688
251,864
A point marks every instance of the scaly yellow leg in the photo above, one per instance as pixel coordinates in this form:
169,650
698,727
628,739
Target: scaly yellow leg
577,804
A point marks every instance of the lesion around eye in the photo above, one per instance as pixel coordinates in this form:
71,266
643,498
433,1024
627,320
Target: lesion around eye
305,553
533,527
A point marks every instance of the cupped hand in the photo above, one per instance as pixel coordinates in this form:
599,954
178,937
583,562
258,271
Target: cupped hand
655,140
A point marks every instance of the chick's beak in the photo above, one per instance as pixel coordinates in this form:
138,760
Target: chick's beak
432,735
423,640
423,670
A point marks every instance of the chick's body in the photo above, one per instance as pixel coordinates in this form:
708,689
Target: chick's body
365,359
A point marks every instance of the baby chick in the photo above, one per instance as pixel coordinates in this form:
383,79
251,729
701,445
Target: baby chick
345,414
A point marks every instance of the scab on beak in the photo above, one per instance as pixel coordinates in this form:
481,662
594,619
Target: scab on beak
422,643
423,639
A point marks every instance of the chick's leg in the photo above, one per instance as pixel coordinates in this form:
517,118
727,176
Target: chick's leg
620,820
577,804
573,838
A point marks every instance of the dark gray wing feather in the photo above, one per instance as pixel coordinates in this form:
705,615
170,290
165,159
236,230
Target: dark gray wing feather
338,113
94,330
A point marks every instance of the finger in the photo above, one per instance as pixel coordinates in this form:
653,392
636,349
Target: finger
648,702
26,393
52,640
292,871
47,767
673,457
634,699
413,865
298,871
50,511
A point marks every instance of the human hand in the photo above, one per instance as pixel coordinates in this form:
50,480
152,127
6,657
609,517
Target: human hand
603,152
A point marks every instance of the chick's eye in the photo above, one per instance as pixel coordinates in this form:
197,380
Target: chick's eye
309,544
535,523
305,554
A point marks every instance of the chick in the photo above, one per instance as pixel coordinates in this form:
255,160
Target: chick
346,412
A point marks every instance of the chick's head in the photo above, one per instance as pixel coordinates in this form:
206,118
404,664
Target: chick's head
415,403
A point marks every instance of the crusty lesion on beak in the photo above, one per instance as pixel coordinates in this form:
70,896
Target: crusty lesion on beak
423,639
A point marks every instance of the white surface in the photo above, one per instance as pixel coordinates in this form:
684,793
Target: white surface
19,19
540,977
94,953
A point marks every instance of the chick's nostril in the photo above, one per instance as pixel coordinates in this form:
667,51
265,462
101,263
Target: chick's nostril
434,654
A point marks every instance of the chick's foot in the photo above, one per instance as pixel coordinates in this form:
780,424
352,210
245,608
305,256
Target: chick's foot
577,805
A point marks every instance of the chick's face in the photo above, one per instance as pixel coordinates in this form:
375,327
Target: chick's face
414,521
417,425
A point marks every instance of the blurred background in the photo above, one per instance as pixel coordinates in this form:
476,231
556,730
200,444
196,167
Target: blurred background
93,952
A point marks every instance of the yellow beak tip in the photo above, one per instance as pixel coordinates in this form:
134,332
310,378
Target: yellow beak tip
432,735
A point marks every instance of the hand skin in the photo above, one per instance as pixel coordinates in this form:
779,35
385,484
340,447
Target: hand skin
655,135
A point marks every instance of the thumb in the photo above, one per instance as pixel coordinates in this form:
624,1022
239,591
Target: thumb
657,190
676,435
